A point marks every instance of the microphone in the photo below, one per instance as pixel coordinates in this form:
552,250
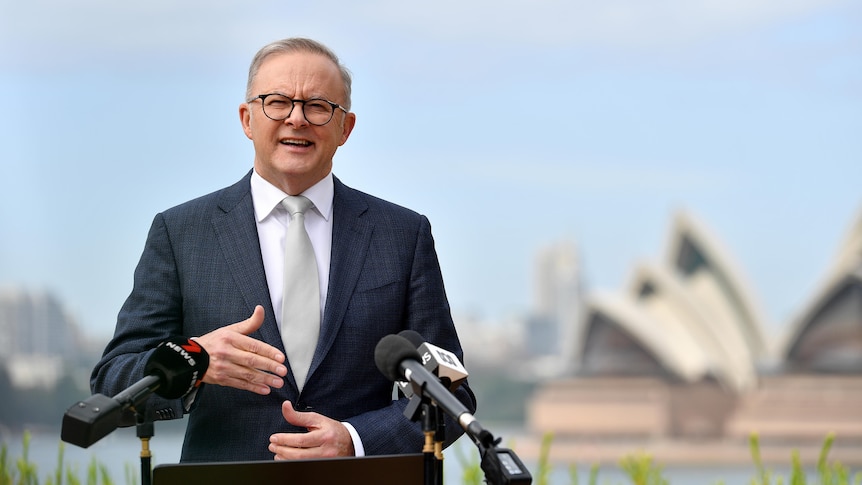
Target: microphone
398,360
174,368
440,362
179,364
446,366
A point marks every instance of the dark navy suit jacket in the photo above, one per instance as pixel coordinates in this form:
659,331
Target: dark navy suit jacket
201,269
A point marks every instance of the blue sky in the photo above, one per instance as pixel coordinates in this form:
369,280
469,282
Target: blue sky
510,124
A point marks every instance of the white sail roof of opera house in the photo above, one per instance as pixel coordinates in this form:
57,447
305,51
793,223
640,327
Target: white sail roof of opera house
715,278
672,347
692,312
665,295
829,324
850,253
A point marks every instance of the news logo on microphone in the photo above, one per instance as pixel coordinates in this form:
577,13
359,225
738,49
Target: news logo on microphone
180,363
438,361
444,364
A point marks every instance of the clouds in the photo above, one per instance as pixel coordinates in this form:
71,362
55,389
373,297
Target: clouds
35,32
602,114
51,33
616,23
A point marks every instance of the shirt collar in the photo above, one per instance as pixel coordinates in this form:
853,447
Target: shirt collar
267,197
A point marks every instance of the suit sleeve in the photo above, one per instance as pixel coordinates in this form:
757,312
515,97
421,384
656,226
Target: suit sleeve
387,430
150,315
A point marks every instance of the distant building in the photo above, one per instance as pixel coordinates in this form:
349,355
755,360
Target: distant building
676,356
691,317
492,344
827,335
819,384
36,337
552,328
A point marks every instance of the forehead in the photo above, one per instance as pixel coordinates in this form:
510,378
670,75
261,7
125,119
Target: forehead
299,74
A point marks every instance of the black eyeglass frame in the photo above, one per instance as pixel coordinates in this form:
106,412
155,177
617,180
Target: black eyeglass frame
262,98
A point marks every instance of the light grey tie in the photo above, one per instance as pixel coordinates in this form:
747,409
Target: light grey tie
300,314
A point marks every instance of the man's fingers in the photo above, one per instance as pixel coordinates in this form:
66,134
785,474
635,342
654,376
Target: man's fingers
258,348
291,453
325,437
227,373
254,354
303,420
251,323
289,446
290,414
255,346
240,361
248,386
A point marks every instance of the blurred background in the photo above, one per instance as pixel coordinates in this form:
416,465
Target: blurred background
661,197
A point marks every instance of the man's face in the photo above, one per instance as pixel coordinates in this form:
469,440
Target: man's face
293,154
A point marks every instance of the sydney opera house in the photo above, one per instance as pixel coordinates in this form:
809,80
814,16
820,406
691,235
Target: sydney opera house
678,363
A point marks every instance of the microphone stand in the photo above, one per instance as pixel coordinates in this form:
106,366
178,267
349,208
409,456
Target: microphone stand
421,408
145,430
399,361
429,425
439,439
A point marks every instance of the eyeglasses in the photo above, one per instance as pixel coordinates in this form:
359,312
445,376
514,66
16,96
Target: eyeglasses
278,107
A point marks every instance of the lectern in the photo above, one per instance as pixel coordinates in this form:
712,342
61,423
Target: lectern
379,470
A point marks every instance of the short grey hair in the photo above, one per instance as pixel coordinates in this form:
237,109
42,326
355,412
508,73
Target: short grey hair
297,44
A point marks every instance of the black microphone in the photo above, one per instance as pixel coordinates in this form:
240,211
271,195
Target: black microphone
175,368
440,362
179,364
446,366
398,360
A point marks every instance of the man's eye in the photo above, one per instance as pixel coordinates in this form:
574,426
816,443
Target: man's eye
317,106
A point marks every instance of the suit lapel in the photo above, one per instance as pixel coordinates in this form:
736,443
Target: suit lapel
236,230
351,235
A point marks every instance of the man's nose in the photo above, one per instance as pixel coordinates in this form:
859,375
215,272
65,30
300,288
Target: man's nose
297,116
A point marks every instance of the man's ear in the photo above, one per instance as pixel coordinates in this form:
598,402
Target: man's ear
245,119
347,127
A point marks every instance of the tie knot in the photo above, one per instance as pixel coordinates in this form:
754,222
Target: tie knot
296,204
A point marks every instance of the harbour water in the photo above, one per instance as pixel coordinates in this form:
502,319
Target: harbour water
119,452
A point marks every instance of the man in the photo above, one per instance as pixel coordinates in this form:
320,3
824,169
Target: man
212,270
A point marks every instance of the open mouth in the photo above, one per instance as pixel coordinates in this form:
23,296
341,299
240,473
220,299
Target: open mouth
295,142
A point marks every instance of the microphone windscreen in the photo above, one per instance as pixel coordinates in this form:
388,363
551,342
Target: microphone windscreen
180,364
442,363
390,352
413,336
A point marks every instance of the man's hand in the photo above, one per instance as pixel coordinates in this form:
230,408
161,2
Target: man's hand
237,360
326,438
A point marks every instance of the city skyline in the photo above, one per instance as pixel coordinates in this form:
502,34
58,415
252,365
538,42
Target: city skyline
565,120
